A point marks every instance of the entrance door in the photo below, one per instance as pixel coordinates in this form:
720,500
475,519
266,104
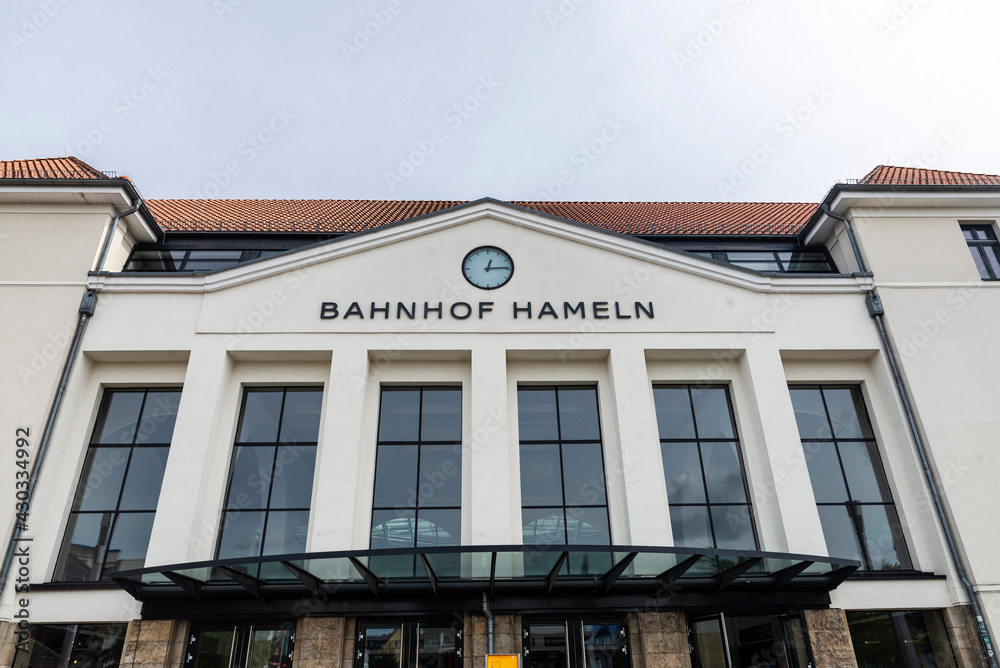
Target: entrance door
423,644
575,644
241,646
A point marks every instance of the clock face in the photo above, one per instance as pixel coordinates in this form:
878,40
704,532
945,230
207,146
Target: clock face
487,267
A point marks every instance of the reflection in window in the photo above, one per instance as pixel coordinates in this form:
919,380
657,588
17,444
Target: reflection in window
852,493
79,646
730,641
115,502
271,476
884,639
418,473
706,486
563,494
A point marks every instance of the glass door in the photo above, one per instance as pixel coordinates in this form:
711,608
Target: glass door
744,641
409,645
241,646
575,644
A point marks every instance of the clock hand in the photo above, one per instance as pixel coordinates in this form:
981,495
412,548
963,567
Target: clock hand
488,265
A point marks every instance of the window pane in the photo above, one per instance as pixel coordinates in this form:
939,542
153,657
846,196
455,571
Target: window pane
158,417
127,549
83,547
810,416
682,470
847,411
756,266
286,532
117,420
711,412
723,473
145,475
399,415
383,647
587,526
213,649
883,538
824,472
543,526
293,476
269,649
578,415
259,422
841,539
440,475
393,528
98,645
548,646
102,477
864,472
436,647
930,636
602,646
977,257
300,417
690,526
541,479
396,476
673,412
583,474
442,415
733,530
536,414
242,534
991,259
251,477
439,527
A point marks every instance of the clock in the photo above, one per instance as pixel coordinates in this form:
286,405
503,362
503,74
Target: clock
487,267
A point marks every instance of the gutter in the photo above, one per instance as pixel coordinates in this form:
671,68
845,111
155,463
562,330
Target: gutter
876,311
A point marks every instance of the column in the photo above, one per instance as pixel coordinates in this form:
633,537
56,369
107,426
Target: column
658,640
340,447
641,462
319,643
788,520
154,644
488,451
187,516
830,639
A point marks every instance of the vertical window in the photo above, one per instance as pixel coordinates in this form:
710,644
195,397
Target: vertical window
985,249
271,476
418,472
116,497
576,643
427,643
260,645
563,495
900,639
706,486
855,505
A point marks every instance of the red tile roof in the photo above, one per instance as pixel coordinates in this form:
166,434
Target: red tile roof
310,215
884,175
357,215
49,168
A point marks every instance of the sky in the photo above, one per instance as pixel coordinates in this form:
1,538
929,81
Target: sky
719,100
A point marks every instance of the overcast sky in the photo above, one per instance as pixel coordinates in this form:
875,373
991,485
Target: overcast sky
742,100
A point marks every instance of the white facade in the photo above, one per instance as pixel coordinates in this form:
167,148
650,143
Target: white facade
700,321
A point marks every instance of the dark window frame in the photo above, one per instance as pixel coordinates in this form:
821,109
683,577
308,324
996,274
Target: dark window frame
99,570
852,505
243,633
409,628
981,247
229,506
574,633
560,442
698,441
781,265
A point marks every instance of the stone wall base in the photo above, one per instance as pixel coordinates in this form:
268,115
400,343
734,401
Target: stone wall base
963,631
830,639
506,638
8,643
154,644
658,640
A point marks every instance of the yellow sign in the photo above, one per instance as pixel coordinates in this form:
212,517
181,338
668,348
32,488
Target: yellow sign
502,661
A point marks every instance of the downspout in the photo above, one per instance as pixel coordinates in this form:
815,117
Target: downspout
876,311
87,306
489,623
111,232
